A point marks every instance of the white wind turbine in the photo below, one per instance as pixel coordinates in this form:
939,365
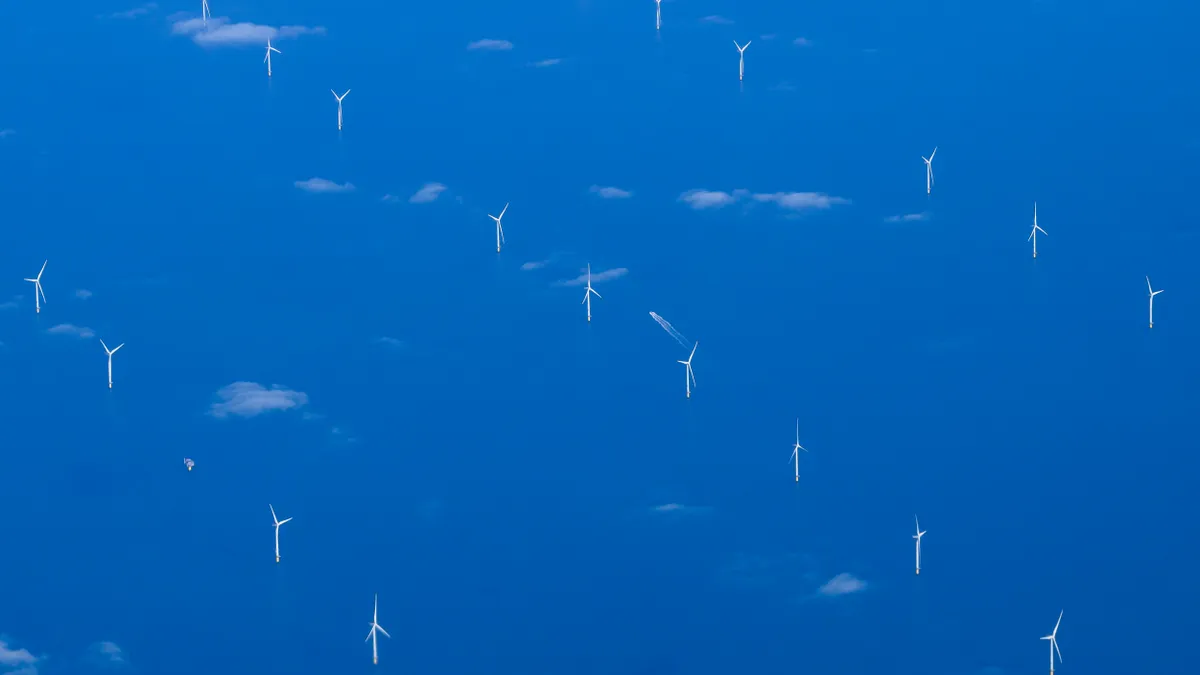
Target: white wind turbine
658,15
1035,230
37,288
929,171
267,58
278,522
918,536
1152,294
587,295
796,450
1053,638
339,100
371,636
205,12
741,59
689,377
499,229
110,353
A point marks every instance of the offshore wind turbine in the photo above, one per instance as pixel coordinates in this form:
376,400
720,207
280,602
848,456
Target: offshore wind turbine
796,450
741,59
658,15
205,12
267,58
1053,638
1036,229
37,288
1152,294
918,536
587,295
110,352
499,229
371,636
929,170
278,522
339,100
689,377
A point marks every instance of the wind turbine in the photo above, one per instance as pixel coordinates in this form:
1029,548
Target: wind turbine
929,171
1152,294
499,229
689,377
371,636
1053,638
1036,229
37,288
918,536
205,12
278,522
587,295
741,59
658,15
796,450
339,99
110,352
267,58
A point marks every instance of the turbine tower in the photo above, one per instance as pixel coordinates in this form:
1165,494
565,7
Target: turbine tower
371,636
267,58
658,15
741,59
278,522
205,12
1152,294
796,450
587,295
918,536
1053,638
1036,229
110,353
499,228
37,288
929,171
689,377
339,100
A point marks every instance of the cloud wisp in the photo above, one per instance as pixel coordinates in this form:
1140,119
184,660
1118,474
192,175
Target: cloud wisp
677,509
249,399
81,332
907,218
802,42
428,193
323,185
711,199
490,45
801,201
5,133
717,19
527,267
610,192
597,277
107,654
391,342
220,32
546,63
20,661
842,584
134,13
83,294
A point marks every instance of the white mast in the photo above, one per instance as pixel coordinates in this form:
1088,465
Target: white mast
37,288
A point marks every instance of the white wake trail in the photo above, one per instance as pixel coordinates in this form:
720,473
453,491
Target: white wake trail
671,330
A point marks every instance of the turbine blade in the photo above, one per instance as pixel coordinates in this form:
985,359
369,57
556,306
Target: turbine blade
1055,632
104,345
1055,643
39,276
118,347
284,521
370,634
1148,286
273,516
597,294
505,209
381,630
1030,235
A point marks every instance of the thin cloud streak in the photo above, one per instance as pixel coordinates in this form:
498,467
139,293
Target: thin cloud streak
323,185
428,193
843,584
907,218
488,44
801,201
135,12
802,42
710,199
597,277
71,329
546,63
717,19
221,33
610,192
83,294
249,399
529,266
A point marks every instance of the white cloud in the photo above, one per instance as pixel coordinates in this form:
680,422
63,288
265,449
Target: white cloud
71,329
606,275
247,399
83,294
491,45
389,198
221,33
135,12
710,199
10,304
679,509
802,42
801,201
843,584
768,36
389,342
717,19
323,185
907,218
546,63
610,192
427,193
5,133
529,266
107,653
21,659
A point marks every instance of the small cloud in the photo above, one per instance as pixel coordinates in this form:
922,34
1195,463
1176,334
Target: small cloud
529,266
610,192
710,199
802,42
389,198
606,275
674,508
907,218
768,36
389,342
843,584
83,294
323,185
427,193
107,654
801,201
5,133
247,399
219,32
490,45
135,12
10,304
546,63
71,329
713,18
21,660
